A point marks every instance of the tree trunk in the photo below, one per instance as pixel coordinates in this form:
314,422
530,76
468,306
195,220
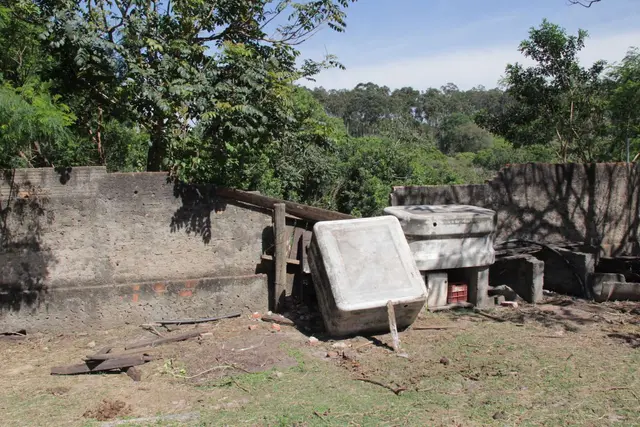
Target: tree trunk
158,149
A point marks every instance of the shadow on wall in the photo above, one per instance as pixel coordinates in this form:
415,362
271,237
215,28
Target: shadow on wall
24,259
594,204
194,216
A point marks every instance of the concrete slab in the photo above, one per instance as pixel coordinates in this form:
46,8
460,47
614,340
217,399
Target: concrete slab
616,291
447,236
437,288
357,266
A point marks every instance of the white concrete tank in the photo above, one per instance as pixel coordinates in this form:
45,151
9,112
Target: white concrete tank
443,237
357,266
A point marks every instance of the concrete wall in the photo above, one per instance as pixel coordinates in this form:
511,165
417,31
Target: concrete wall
592,203
89,248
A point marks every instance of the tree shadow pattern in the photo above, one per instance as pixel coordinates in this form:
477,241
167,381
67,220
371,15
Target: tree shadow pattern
593,204
25,258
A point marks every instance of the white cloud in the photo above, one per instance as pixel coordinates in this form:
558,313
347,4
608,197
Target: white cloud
465,68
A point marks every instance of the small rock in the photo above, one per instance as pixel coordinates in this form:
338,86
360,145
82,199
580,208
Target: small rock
332,354
256,315
276,318
500,415
340,345
253,327
92,344
512,304
206,334
275,327
269,313
277,374
444,361
313,341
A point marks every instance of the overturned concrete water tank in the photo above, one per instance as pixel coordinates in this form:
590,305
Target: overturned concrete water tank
445,237
358,266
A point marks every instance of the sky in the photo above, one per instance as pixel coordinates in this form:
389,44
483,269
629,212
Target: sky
429,43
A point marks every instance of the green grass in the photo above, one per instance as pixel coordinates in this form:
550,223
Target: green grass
500,376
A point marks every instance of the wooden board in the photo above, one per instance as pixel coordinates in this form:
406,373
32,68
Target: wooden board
160,341
98,366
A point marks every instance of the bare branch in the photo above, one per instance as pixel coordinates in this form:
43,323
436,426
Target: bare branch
584,3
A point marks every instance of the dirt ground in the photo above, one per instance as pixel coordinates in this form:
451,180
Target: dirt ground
564,362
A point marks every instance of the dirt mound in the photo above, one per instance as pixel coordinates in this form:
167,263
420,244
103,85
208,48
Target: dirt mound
108,409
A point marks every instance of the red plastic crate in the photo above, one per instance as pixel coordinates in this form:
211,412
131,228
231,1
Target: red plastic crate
457,292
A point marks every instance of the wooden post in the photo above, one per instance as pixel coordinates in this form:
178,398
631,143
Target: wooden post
393,328
280,236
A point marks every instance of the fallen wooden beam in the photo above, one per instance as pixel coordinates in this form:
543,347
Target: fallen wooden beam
192,321
107,356
160,341
98,366
302,211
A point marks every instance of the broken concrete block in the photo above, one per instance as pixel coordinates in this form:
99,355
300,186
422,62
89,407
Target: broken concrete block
522,273
447,236
504,291
359,265
437,288
616,291
561,272
597,279
477,279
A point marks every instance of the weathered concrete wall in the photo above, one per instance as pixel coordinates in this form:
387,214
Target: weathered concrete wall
91,247
592,203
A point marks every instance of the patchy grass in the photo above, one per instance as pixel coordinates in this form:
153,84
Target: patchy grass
529,370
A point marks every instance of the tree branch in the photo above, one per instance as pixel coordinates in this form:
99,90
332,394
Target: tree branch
584,3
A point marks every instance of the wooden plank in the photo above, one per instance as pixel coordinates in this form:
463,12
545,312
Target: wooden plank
393,328
302,211
160,341
107,365
295,244
289,260
107,356
280,238
192,321
306,240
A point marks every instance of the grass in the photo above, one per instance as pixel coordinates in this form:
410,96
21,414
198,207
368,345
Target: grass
502,375
491,374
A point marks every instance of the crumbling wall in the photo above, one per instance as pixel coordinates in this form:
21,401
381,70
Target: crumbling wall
82,247
596,204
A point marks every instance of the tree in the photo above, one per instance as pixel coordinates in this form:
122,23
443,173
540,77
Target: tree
556,100
624,100
459,134
166,66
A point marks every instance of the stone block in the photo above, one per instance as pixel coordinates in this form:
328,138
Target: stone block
522,273
562,269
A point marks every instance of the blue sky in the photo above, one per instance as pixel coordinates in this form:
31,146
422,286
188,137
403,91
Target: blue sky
428,43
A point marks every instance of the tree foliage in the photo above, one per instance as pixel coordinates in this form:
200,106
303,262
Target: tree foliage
206,91
556,100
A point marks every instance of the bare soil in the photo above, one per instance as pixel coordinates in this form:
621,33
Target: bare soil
562,362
